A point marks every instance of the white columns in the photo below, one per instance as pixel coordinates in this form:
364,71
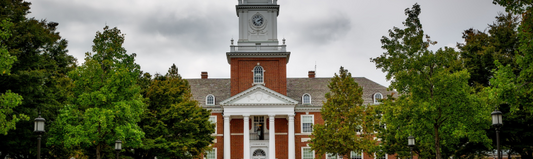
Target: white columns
291,137
272,137
246,137
227,143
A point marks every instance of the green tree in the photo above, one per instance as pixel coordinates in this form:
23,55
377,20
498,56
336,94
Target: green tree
8,100
348,125
436,104
481,49
38,75
106,103
175,125
515,88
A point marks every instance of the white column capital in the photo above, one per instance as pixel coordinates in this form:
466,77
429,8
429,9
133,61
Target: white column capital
271,115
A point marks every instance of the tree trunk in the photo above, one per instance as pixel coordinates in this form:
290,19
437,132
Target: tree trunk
98,151
437,142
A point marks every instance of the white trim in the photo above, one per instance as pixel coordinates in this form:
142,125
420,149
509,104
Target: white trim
362,155
302,124
214,151
376,157
214,122
312,151
286,100
262,75
303,99
207,97
376,100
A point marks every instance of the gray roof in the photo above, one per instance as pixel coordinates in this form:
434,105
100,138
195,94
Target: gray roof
296,88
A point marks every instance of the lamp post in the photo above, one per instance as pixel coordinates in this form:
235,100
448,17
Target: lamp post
118,146
39,129
411,144
497,123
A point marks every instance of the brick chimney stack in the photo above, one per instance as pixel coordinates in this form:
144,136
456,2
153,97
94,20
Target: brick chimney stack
204,75
311,74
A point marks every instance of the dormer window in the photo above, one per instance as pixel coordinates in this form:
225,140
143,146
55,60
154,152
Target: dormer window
306,99
210,100
258,74
377,98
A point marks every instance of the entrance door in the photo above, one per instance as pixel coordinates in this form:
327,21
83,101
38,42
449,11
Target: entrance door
259,154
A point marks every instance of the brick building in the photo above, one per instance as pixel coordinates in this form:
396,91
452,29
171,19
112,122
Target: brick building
259,112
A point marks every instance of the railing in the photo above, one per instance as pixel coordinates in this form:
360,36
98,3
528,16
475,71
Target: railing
258,48
255,136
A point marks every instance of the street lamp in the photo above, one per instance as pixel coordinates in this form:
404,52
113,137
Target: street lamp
118,146
411,144
497,123
39,129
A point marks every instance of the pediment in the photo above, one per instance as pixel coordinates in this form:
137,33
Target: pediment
259,95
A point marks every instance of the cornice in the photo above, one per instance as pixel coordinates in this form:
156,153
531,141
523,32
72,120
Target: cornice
254,88
244,6
230,55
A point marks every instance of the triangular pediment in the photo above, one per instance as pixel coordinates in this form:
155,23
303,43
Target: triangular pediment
259,95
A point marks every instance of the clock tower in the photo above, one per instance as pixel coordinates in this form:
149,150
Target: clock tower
258,58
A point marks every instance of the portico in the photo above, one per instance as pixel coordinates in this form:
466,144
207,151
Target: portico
254,106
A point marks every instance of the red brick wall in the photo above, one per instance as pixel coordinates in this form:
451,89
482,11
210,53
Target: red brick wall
220,139
297,129
282,141
275,76
237,144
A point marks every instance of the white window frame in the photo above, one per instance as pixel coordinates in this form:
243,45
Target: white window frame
302,123
214,151
362,156
376,157
328,156
376,100
303,99
214,122
207,99
262,75
312,151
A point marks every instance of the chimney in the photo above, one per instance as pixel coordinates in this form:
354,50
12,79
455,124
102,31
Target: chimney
311,74
204,75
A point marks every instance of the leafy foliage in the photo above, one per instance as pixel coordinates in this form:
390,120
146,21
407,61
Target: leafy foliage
436,104
8,100
175,125
106,104
348,125
515,88
38,75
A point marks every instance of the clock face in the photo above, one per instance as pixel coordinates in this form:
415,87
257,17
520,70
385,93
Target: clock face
257,20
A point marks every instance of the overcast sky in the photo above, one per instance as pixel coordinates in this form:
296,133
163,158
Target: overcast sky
195,34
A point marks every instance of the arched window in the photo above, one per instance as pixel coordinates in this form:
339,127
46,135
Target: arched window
377,98
259,152
210,100
306,99
258,74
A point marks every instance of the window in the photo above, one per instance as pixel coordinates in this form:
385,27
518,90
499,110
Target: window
259,127
307,123
211,154
306,99
210,100
377,98
213,119
259,152
381,157
258,74
333,156
355,155
307,153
